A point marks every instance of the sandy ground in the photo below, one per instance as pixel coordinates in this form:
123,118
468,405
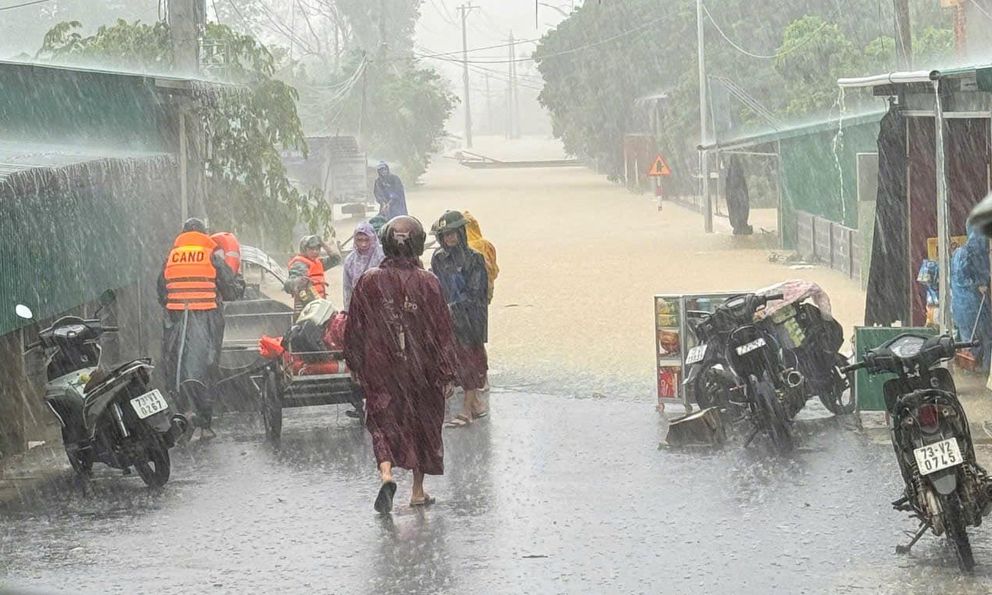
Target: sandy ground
581,260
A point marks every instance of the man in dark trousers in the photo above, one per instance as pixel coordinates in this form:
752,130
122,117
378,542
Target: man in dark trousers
389,193
195,280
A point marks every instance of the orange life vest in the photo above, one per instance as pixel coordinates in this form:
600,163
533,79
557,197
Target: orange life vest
190,276
315,272
231,247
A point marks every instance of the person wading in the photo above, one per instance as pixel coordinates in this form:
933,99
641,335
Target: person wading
464,281
366,255
399,342
389,193
306,280
194,281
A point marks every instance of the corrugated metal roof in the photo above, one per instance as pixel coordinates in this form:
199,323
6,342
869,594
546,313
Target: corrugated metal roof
19,157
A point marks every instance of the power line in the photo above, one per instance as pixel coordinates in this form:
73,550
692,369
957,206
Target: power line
488,47
762,56
981,9
23,4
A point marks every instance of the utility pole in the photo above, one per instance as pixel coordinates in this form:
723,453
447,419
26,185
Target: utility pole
465,9
704,162
489,107
509,91
960,30
514,89
186,21
904,34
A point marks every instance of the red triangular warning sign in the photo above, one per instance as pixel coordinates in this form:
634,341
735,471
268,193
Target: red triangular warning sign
660,168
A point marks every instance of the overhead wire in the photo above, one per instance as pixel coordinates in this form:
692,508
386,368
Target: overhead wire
980,9
23,4
737,47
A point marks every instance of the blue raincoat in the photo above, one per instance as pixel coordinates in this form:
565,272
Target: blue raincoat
969,272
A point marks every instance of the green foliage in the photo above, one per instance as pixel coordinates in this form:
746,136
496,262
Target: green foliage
605,55
247,124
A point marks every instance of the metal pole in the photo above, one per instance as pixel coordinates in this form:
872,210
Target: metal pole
465,9
703,125
904,34
183,165
489,107
943,229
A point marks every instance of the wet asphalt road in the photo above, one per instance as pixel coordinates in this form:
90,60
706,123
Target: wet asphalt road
549,495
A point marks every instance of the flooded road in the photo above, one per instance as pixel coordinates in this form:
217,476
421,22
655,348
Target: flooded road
549,495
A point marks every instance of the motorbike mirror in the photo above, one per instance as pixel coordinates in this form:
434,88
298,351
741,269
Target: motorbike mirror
108,297
23,311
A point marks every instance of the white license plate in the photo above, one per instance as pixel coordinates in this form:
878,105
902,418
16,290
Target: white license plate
749,347
696,354
149,403
937,456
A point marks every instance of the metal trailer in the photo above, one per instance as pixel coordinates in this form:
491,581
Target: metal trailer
251,382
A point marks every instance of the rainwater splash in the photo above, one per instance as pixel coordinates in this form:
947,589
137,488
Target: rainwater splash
837,146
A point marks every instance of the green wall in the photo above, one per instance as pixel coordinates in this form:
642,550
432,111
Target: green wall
68,234
813,182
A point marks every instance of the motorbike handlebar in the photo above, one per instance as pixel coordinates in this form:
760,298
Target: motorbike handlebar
853,367
774,297
967,345
111,329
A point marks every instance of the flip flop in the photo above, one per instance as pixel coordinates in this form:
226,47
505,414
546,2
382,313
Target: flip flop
481,414
459,421
384,501
427,501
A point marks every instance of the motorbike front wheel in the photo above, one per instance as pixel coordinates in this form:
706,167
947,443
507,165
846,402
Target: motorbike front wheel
835,400
156,470
957,533
774,418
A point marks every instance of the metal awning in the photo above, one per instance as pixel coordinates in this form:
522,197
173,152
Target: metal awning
982,75
788,130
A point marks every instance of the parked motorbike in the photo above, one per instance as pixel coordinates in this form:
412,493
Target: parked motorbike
946,489
811,343
738,367
107,415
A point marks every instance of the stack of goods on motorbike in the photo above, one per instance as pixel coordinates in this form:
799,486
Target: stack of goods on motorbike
314,345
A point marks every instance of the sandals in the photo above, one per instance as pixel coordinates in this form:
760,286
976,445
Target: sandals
427,500
480,414
384,501
459,421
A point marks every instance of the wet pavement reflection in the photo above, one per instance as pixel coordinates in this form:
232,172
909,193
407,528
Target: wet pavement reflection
549,495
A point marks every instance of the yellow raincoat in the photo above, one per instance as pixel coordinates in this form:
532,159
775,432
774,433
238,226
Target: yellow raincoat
483,247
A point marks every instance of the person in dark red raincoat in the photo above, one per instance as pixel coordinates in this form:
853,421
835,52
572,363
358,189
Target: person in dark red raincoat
398,343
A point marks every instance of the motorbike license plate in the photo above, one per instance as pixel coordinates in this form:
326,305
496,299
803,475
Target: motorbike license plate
149,403
937,456
749,347
696,354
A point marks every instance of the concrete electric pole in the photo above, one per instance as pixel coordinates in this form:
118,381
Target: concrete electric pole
186,21
465,9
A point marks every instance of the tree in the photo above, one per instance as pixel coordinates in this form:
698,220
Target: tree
246,126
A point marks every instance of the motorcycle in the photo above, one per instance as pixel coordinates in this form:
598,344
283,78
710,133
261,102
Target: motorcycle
107,416
810,343
738,367
946,489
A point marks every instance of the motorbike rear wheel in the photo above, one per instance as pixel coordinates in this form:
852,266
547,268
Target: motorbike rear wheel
156,470
834,401
957,533
80,461
774,418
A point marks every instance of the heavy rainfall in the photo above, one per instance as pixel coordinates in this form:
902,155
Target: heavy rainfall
499,296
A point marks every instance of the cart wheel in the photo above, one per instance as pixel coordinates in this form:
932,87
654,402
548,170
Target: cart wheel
271,407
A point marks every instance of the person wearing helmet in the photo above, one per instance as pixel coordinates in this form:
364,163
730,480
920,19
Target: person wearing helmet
389,193
195,280
306,281
399,344
465,284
